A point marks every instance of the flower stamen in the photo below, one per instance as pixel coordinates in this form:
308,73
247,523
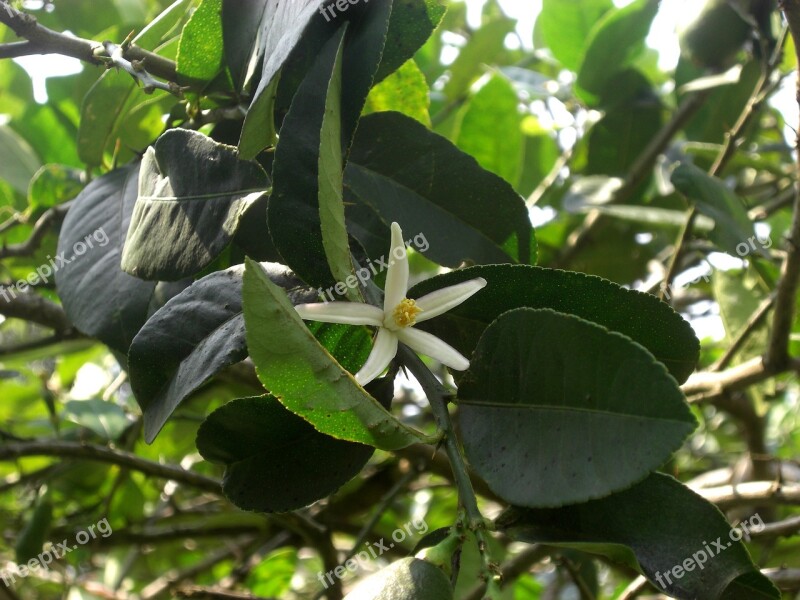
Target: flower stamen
405,313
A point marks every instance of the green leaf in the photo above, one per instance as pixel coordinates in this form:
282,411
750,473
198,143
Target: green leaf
666,525
200,52
18,161
615,43
193,192
422,181
483,47
330,182
565,27
281,27
98,296
404,91
639,316
539,378
106,419
32,538
52,185
274,460
489,129
193,337
715,200
306,378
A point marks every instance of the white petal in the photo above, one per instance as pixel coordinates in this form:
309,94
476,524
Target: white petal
349,313
383,351
442,300
423,342
397,275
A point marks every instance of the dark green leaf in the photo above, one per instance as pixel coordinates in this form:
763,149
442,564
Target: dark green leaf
52,185
99,297
556,410
274,460
666,525
241,20
406,173
306,378
192,194
32,538
281,27
412,23
639,316
190,339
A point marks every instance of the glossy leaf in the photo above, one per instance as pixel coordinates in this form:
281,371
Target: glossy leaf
639,316
280,30
556,410
306,378
104,418
192,192
422,181
274,460
412,23
193,337
99,297
665,524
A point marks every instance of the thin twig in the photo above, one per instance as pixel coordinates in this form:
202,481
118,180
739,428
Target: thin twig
104,454
752,324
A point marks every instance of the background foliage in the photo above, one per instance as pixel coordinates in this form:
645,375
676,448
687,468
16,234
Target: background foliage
600,432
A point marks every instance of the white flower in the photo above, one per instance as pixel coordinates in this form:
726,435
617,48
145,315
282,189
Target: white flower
396,321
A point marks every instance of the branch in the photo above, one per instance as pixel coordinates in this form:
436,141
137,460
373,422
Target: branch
778,349
51,217
786,528
33,308
751,492
104,454
42,40
706,386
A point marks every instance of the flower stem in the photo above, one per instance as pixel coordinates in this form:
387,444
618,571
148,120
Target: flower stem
471,517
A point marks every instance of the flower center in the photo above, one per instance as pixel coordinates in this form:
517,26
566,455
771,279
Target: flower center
405,313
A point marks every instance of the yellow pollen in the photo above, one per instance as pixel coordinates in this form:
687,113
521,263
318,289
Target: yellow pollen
406,312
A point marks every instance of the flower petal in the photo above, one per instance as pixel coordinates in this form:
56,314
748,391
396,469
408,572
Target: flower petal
397,275
423,342
384,349
442,300
349,313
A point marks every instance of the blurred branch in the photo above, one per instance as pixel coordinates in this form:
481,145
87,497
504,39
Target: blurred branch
33,308
50,218
752,492
705,386
786,528
15,450
42,40
207,593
